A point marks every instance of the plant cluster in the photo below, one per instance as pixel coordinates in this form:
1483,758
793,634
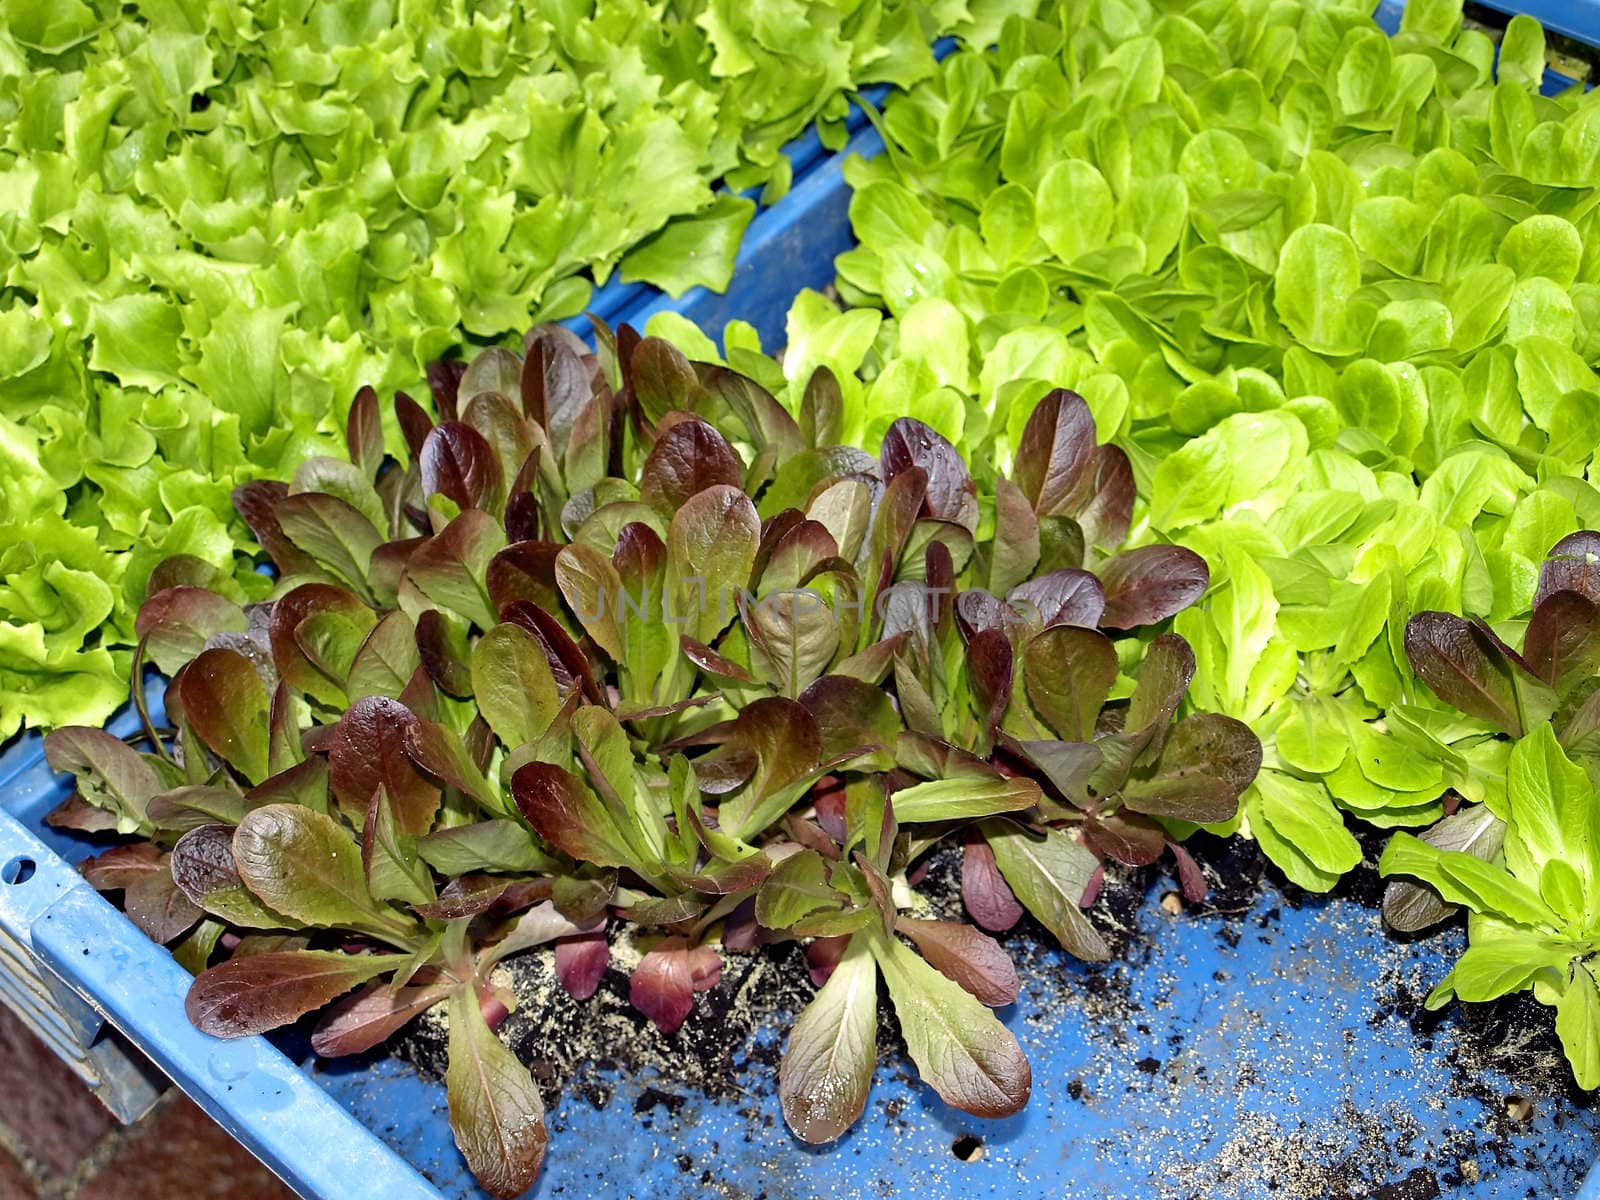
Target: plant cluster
1336,294
1525,863
622,639
222,217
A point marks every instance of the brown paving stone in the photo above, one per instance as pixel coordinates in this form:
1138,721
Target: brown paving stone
55,1116
14,1181
179,1151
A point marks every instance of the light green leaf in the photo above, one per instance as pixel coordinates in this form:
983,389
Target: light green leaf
959,799
960,1048
1074,209
1303,815
1049,876
692,251
1318,271
1578,1026
832,1050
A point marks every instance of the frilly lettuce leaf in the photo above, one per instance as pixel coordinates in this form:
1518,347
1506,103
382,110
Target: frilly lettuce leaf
218,221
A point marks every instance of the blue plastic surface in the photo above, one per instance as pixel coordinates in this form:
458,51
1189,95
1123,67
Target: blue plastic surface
1575,19
1268,1053
1260,1054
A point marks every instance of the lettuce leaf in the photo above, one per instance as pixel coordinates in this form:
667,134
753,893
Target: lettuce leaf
220,220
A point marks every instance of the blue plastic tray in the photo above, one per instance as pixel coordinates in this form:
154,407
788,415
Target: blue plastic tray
1263,1054
1575,19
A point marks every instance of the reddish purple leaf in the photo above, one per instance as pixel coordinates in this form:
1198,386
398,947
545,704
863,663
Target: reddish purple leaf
786,744
851,715
442,753
811,836
202,863
119,867
466,896
363,432
977,610
1150,584
450,567
740,929
663,380
181,570
177,622
1091,890
766,423
444,381
525,570
288,611
664,983
688,457
522,516
109,769
1562,643
793,550
458,462
891,525
823,955
1464,668
1069,673
555,384
1056,454
305,784
1105,518
257,502
727,879
1573,565
968,956
569,816
568,662
78,814
368,749
1129,839
415,423
985,894
262,992
1164,678
1208,761
1065,597
640,558
1190,877
365,1019
989,668
389,563
227,706
581,962
443,648
712,663
830,805
951,494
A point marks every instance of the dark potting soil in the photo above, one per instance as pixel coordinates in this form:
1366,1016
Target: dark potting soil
1514,1036
585,1046
730,1046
